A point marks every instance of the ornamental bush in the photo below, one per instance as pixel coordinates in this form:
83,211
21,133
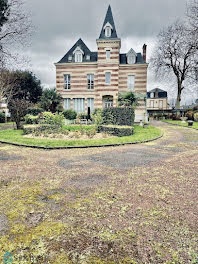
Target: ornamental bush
53,119
119,131
34,111
31,119
196,117
2,117
70,114
97,117
122,116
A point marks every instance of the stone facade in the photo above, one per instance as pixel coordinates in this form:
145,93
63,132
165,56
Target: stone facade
111,71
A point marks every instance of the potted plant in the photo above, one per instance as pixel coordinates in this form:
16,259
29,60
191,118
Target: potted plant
190,123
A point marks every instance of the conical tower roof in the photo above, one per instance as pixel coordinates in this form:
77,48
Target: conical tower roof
108,20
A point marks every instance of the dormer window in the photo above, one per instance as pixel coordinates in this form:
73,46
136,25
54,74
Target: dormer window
78,54
108,32
70,58
131,57
78,57
108,29
88,57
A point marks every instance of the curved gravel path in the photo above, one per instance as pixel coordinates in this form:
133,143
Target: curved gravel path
135,202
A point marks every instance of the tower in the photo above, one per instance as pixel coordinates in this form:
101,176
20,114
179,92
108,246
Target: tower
109,46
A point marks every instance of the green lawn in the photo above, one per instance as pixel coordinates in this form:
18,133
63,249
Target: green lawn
140,134
8,123
178,122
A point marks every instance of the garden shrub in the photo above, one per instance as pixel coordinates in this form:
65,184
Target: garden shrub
34,111
119,131
31,119
2,117
122,116
91,133
196,117
53,119
41,129
81,116
189,114
70,114
97,117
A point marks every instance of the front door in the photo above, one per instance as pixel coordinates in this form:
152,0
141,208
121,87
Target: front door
107,101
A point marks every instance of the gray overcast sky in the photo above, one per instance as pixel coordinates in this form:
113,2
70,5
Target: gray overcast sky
59,24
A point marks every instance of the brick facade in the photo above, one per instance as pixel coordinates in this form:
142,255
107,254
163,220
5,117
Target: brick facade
102,92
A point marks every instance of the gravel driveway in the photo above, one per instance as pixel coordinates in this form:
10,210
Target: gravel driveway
102,205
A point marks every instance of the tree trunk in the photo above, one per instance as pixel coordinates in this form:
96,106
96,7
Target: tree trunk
179,90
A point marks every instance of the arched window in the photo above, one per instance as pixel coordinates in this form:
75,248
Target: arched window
108,32
131,56
108,29
131,59
78,52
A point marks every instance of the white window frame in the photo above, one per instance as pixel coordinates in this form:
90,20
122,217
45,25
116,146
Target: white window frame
108,78
152,95
108,54
108,32
70,58
90,81
161,105
152,104
79,105
67,103
131,59
88,57
131,82
67,81
78,56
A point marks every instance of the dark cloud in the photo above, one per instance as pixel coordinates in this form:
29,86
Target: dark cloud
59,24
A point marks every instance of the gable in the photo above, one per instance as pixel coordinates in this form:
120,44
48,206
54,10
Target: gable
79,45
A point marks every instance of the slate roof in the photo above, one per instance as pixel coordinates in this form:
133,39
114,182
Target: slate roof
161,93
139,59
109,18
154,90
86,50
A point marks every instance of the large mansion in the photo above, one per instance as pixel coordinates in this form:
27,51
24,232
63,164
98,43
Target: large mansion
87,79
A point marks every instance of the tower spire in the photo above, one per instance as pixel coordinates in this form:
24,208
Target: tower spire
108,23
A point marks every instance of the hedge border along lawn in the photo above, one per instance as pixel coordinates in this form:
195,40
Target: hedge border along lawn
141,135
119,131
179,123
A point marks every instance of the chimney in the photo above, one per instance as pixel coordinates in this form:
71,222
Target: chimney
144,52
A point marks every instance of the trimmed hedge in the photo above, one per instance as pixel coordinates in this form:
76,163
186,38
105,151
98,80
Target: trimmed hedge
34,111
70,114
121,116
32,129
119,131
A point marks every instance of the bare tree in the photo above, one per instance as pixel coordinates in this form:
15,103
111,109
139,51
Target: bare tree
174,55
6,85
192,14
15,30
